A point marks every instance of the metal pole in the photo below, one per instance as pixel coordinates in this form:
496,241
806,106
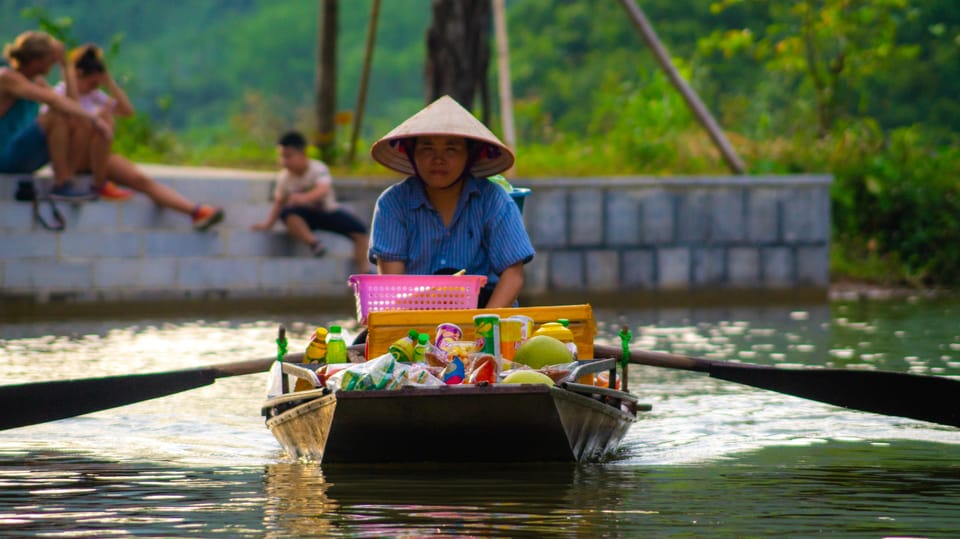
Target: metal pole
364,78
693,101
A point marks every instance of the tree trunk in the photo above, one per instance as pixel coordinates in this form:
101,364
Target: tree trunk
458,51
503,70
326,105
364,78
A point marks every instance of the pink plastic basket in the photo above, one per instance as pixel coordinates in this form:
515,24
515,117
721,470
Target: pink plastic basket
415,292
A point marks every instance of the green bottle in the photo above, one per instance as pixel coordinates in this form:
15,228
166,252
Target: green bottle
336,347
420,350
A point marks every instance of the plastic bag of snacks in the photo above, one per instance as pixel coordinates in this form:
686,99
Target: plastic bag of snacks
374,374
383,372
417,374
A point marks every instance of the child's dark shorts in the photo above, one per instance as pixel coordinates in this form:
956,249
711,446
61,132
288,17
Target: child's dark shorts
339,220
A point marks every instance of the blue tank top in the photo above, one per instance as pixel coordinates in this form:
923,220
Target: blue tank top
21,114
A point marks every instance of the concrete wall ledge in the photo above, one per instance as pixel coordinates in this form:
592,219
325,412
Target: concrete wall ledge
685,236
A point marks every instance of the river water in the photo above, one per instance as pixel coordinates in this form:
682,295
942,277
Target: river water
712,459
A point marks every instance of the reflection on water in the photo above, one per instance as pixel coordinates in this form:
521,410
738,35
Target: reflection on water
836,488
712,458
56,494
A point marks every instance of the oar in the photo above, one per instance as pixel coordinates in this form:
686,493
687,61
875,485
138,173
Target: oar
39,402
929,398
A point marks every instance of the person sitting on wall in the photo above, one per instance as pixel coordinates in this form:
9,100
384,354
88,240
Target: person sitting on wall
91,74
446,215
305,201
62,135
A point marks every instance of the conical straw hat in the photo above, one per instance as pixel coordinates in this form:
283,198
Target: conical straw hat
443,117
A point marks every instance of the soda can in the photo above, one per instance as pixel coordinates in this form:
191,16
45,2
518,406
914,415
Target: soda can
526,330
447,333
487,328
510,332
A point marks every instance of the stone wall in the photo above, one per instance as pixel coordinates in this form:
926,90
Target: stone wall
592,235
681,233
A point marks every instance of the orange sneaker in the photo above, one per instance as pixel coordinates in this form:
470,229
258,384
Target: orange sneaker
110,191
206,216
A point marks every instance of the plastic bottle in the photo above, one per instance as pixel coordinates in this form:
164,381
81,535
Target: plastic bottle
420,349
336,347
317,349
402,349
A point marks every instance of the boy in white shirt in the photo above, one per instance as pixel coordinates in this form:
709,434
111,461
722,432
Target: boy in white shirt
305,201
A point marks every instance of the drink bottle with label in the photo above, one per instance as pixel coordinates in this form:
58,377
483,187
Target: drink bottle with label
336,347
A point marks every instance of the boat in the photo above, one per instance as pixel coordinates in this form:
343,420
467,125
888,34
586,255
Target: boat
567,422
460,423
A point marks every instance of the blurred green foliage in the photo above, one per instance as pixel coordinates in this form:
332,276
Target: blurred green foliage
866,90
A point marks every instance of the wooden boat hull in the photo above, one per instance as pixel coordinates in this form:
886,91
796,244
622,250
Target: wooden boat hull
496,423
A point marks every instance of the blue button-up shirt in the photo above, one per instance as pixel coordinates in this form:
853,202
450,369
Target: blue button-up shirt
485,237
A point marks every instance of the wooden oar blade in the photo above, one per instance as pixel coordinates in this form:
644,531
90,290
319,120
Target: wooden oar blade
927,398
32,403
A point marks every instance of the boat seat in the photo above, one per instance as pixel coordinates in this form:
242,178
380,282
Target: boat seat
300,372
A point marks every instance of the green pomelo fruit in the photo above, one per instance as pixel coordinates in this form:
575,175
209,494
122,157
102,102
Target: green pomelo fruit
542,350
527,377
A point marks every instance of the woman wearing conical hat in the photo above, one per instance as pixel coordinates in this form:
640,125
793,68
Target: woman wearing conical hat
446,215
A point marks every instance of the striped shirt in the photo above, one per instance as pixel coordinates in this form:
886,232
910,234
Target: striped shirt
485,237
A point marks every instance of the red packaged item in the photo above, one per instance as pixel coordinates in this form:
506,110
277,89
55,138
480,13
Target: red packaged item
484,369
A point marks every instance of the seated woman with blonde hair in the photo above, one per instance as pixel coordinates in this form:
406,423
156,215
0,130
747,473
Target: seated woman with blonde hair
63,135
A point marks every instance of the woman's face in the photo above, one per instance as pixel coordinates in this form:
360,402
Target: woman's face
42,65
87,83
440,159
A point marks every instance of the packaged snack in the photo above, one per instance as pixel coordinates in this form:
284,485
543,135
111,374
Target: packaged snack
377,373
434,357
484,368
487,330
526,329
447,332
510,337
420,375
453,373
462,348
